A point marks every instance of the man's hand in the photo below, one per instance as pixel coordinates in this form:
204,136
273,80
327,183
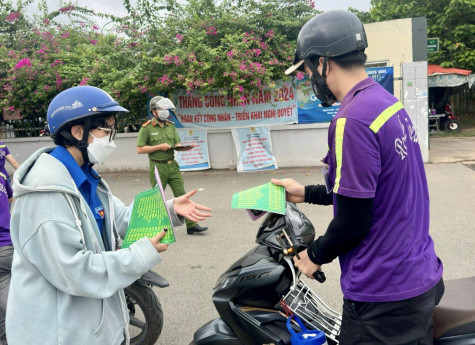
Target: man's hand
164,147
305,265
160,247
190,209
294,191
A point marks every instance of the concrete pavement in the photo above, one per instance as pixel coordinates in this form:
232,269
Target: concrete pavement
193,264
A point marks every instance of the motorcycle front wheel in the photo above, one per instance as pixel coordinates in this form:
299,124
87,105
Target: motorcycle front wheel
453,126
146,314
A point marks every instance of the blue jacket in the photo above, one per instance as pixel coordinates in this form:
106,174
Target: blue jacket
65,288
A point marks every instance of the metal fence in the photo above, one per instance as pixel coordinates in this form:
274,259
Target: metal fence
28,128
23,128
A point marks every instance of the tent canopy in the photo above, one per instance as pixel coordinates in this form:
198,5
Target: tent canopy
436,69
449,77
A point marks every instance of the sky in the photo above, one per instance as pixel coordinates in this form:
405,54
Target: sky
116,8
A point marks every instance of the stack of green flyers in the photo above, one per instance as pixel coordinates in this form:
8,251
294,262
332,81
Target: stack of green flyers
149,217
267,197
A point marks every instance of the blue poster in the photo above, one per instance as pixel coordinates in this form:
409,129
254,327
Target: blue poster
197,158
310,109
384,76
254,149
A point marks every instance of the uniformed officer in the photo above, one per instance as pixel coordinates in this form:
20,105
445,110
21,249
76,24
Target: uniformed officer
158,138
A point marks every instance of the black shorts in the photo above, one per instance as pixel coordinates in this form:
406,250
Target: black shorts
407,322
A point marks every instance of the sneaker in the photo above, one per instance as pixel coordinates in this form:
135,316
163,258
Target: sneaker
196,229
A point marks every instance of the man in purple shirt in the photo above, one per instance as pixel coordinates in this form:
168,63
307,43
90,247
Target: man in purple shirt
391,277
6,250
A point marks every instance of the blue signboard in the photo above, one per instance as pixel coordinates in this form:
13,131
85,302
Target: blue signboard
310,109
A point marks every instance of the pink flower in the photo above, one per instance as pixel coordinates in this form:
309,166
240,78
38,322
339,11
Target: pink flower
66,9
230,53
46,21
300,75
95,27
12,17
241,89
257,52
191,57
59,81
46,88
165,80
11,53
41,51
23,63
211,31
11,108
178,61
93,42
84,81
270,34
179,37
143,89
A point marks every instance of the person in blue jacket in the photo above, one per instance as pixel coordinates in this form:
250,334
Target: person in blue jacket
68,270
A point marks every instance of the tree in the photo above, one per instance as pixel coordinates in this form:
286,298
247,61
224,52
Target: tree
163,46
452,21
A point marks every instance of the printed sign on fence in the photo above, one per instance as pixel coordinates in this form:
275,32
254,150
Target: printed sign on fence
196,158
254,149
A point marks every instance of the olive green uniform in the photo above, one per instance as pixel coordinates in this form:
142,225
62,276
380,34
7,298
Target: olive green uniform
151,134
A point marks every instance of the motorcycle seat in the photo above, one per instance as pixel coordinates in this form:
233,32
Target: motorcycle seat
455,313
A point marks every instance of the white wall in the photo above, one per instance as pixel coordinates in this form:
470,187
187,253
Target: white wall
293,145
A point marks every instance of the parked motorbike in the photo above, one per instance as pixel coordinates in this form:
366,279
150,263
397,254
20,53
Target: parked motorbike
450,122
145,310
253,295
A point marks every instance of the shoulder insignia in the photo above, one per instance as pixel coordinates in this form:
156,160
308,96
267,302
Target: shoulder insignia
171,122
146,123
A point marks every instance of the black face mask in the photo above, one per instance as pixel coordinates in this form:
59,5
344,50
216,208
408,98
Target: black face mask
319,84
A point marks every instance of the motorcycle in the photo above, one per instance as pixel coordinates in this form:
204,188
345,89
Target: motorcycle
450,122
256,294
145,310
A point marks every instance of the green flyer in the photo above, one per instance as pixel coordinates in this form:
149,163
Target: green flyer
149,217
267,197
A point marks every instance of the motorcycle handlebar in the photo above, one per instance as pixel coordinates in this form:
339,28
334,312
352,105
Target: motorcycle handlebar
320,276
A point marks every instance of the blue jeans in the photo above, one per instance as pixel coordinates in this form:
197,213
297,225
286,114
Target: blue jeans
6,257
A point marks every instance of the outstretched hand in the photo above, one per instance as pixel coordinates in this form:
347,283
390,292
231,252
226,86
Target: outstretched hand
190,209
294,191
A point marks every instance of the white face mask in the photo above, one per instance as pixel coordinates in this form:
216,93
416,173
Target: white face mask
163,115
100,149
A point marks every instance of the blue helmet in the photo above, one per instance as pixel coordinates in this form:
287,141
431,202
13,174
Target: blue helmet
79,102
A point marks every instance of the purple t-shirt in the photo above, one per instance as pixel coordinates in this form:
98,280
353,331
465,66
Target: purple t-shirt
374,153
5,194
3,153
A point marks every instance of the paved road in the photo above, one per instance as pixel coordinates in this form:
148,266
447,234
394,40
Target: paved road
193,263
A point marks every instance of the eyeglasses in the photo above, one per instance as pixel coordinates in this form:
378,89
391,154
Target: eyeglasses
111,131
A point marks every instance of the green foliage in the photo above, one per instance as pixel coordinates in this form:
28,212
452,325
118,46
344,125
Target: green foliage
161,47
452,21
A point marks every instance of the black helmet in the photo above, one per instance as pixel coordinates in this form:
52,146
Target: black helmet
331,33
